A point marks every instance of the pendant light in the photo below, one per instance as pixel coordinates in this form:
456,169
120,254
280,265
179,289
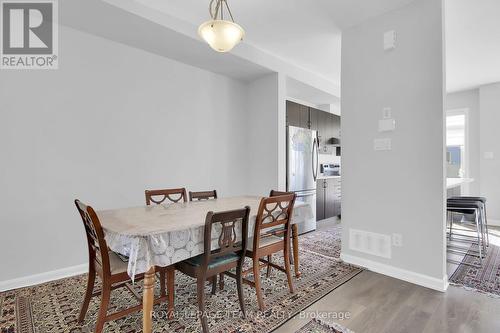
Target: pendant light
222,35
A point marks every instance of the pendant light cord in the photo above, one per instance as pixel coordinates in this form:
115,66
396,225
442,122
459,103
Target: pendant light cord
219,8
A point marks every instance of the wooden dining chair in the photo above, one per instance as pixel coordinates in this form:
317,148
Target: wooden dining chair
295,240
110,268
271,235
164,196
229,255
205,195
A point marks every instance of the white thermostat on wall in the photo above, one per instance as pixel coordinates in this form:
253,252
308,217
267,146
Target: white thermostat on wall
390,40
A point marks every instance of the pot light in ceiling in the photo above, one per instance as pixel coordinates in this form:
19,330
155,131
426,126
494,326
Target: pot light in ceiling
221,34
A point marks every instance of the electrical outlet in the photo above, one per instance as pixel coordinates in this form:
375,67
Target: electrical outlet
397,240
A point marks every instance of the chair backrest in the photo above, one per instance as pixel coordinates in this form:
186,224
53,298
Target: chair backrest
275,193
227,239
273,217
98,249
160,196
205,195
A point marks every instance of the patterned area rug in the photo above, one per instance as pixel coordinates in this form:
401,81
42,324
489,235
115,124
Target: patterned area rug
54,306
317,326
325,241
485,279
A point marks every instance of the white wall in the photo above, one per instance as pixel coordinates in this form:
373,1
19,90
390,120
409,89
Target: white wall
490,142
402,190
469,100
111,122
265,98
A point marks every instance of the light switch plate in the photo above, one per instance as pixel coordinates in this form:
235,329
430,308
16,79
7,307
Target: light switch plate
386,125
382,144
387,113
390,40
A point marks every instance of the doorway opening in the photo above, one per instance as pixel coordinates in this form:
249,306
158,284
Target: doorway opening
457,147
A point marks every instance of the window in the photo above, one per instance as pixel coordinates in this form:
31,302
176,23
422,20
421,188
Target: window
456,144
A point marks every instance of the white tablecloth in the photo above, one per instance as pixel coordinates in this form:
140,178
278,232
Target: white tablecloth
164,241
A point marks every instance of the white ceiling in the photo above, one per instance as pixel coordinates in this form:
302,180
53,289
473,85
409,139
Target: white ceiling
472,43
472,34
306,33
135,31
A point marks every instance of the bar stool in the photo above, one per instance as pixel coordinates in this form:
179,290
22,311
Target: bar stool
469,207
483,211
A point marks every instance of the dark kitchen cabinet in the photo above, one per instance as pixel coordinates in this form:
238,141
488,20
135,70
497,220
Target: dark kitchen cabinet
320,200
322,127
313,118
292,114
304,116
328,198
297,115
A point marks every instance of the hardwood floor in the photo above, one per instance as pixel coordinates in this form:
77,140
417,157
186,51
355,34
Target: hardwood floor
377,303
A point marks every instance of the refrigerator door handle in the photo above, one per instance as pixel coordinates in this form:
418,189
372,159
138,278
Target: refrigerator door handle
315,159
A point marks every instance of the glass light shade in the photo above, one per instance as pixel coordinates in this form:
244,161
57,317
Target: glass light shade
221,35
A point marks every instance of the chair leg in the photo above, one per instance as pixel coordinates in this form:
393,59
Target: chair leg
201,303
221,281
295,242
88,294
486,225
256,277
103,309
214,284
479,237
483,231
239,286
170,291
269,259
288,270
163,284
452,217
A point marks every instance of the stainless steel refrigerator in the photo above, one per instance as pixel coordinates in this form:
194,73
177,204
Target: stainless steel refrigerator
302,169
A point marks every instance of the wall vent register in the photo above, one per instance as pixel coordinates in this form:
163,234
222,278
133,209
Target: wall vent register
379,245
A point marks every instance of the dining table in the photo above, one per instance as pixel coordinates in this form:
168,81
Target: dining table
162,235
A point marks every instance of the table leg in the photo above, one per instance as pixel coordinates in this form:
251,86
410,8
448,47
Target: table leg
147,300
295,239
170,291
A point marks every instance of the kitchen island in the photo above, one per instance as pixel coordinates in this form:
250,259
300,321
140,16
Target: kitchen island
454,185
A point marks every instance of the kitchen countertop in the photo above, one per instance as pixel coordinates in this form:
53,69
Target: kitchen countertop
450,182
455,182
327,177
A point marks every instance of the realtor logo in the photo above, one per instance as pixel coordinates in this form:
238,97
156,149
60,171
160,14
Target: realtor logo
29,34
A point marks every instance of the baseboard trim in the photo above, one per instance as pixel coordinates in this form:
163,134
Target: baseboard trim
493,222
398,273
43,277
